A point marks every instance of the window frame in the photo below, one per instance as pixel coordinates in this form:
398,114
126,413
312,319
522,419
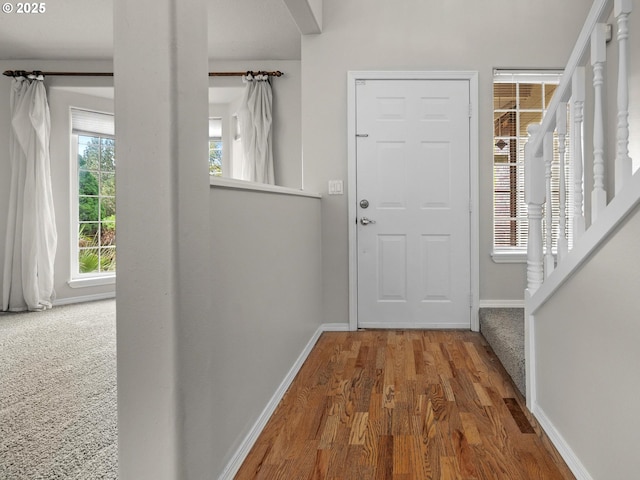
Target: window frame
219,140
518,253
78,279
217,123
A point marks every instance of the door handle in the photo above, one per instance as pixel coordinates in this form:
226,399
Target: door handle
366,221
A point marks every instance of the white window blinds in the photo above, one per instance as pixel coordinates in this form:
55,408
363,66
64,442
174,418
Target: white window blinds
88,122
520,98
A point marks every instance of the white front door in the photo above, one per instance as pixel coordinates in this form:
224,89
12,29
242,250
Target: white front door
412,191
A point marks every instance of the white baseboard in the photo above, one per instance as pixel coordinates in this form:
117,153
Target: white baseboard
84,298
569,456
335,327
502,303
245,447
410,326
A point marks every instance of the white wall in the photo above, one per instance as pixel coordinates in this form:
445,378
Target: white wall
266,293
419,35
587,358
59,103
287,138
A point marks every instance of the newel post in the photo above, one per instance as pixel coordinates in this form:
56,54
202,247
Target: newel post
534,197
622,9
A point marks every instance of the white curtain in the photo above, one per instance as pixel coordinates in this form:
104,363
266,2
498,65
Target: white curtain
31,229
255,117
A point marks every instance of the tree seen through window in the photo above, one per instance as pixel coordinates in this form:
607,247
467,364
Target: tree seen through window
96,204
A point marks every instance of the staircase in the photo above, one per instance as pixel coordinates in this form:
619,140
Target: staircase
582,307
503,328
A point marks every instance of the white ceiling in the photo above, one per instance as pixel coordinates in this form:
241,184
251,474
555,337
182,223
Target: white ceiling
83,29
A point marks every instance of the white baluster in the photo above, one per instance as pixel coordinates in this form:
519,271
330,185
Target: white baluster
547,151
623,166
577,95
561,129
534,198
598,57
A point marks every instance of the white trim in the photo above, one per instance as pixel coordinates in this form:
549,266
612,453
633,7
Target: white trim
410,326
250,439
502,303
74,201
80,282
77,280
474,186
530,359
352,77
506,256
335,327
569,456
474,196
514,256
84,298
542,75
234,184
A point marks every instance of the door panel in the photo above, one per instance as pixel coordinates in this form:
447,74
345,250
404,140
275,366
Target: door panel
413,168
392,281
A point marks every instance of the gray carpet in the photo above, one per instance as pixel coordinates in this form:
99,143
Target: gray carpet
58,393
504,330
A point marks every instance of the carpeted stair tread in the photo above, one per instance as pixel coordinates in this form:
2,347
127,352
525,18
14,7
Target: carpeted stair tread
503,328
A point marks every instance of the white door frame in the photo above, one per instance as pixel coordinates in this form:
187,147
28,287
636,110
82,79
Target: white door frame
472,77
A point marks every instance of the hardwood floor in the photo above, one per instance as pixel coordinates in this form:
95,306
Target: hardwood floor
402,405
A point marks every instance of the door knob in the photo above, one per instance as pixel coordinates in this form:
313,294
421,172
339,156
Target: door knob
366,221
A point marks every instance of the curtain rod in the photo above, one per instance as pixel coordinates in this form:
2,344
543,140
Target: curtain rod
20,73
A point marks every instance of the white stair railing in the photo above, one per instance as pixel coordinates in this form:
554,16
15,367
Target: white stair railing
534,196
561,129
598,58
622,9
547,154
577,109
590,49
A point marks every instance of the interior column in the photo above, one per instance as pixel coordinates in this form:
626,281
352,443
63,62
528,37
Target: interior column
161,109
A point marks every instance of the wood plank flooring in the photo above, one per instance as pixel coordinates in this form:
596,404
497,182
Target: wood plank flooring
402,405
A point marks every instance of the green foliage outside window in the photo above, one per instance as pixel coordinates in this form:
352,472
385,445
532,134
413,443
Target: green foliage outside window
96,204
215,158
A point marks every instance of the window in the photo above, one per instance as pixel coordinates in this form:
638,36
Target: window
215,147
237,150
519,99
94,199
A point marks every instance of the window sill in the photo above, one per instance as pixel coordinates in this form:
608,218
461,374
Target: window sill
234,184
92,281
504,256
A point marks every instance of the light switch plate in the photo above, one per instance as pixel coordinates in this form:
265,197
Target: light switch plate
336,187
